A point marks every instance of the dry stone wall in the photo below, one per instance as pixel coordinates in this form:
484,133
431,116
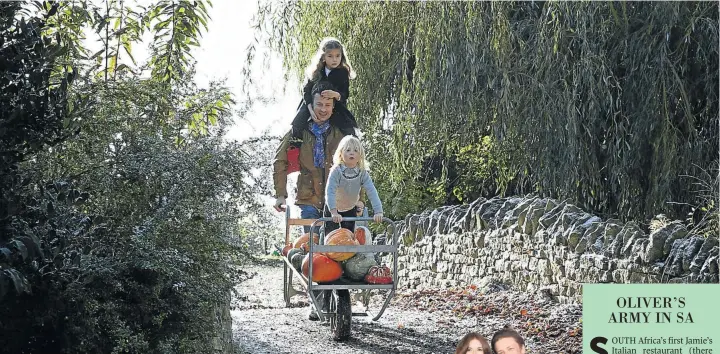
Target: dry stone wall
544,245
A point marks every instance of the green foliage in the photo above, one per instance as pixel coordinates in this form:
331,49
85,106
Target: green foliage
604,103
118,224
32,116
177,27
704,215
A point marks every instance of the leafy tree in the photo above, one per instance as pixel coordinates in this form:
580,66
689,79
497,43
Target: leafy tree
609,104
119,199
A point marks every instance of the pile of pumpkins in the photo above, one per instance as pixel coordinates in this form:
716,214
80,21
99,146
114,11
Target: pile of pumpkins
330,266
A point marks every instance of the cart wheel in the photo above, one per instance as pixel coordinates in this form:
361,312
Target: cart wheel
287,283
340,321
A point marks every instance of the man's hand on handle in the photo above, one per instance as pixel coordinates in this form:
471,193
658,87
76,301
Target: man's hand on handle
280,204
378,217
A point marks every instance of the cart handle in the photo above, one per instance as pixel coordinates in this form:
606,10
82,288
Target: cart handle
351,218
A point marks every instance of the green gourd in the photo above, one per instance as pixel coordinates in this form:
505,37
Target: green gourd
357,267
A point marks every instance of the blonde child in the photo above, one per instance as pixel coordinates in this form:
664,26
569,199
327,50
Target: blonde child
342,193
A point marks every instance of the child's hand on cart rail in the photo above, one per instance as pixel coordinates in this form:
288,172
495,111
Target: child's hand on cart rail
378,217
336,218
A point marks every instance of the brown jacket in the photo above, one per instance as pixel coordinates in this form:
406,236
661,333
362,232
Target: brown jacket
311,181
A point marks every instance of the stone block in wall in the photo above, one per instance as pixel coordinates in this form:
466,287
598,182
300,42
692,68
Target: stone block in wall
620,275
459,219
557,270
628,248
691,250
507,206
574,289
443,220
525,263
611,232
656,249
581,246
639,249
430,225
437,242
630,229
679,231
601,262
541,237
543,268
458,268
590,237
710,267
524,211
480,222
499,264
703,254
413,224
551,217
573,237
533,215
682,254
559,255
455,219
514,217
488,210
639,277
622,244
615,248
557,239
469,222
424,222
570,216
479,240
471,270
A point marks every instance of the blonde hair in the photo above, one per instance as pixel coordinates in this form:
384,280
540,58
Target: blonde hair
350,142
317,64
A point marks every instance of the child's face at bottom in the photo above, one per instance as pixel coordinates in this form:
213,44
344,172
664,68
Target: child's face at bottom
475,347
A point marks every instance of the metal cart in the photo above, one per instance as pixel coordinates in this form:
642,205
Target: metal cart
338,302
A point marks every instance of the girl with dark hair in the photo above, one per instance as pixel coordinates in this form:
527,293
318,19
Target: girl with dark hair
473,343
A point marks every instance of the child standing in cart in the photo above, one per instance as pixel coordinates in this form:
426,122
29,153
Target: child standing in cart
347,176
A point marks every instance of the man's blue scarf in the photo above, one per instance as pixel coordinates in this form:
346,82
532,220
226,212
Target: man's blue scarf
319,148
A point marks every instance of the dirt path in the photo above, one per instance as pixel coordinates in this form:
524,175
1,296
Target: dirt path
415,322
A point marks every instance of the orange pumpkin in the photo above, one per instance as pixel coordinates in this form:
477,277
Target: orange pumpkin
286,249
362,234
340,237
324,269
304,239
